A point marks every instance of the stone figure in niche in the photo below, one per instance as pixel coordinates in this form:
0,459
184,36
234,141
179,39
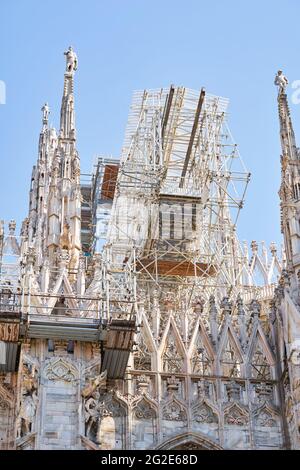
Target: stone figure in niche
66,239
92,405
76,172
29,400
27,413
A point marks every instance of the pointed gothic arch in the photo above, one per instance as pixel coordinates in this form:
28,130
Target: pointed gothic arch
266,422
266,416
174,410
189,440
62,286
172,350
145,398
200,353
258,270
236,415
205,412
143,357
260,356
230,353
112,423
144,422
274,269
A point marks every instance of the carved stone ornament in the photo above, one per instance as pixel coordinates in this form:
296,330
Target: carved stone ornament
105,411
174,411
143,384
189,446
265,419
60,370
204,414
114,408
235,416
172,384
3,404
143,410
95,383
64,257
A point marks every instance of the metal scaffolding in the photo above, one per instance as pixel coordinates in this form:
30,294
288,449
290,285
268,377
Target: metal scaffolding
180,188
158,226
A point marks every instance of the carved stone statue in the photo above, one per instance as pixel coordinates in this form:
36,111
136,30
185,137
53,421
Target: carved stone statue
46,111
27,413
92,405
281,81
65,239
92,415
72,61
97,382
29,400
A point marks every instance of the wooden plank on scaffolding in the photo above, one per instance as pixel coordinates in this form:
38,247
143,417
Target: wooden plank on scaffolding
192,136
176,268
109,181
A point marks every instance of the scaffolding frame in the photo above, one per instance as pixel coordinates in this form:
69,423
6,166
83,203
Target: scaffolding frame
178,148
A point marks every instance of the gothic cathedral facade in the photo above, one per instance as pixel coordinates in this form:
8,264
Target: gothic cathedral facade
131,317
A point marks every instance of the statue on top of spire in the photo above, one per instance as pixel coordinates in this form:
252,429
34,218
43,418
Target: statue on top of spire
72,61
281,81
46,111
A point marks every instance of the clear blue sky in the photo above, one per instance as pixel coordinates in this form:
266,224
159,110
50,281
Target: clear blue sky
231,47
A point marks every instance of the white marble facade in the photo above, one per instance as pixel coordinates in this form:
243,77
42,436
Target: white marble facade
206,371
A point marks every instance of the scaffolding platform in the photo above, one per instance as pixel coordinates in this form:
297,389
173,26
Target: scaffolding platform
64,328
169,267
117,347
